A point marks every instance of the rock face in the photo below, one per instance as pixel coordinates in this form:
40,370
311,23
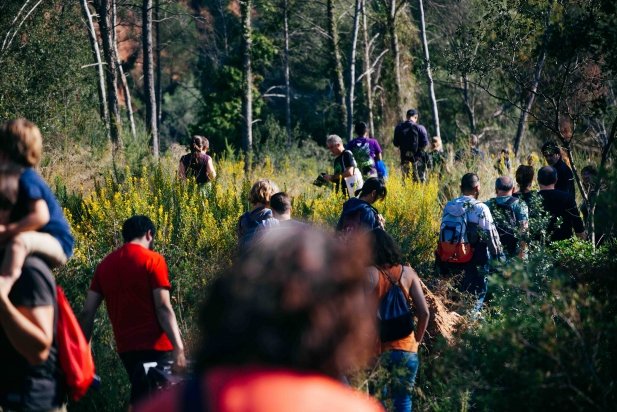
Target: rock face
442,321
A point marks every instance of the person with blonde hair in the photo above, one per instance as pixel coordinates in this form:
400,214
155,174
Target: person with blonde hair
260,215
197,163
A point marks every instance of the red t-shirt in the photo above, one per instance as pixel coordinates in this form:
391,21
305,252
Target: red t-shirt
126,279
260,389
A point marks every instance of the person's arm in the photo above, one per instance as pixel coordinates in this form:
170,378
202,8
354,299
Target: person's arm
88,312
167,319
420,305
28,329
181,170
422,138
210,169
573,214
37,217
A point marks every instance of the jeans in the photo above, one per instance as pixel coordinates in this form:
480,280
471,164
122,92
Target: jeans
401,368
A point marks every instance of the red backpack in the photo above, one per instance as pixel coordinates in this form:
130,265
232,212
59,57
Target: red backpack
74,354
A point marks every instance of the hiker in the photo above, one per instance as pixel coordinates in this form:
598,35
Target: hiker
503,165
280,203
511,218
38,225
359,213
134,283
304,321
399,352
260,215
411,138
468,240
366,150
197,164
565,177
344,163
561,205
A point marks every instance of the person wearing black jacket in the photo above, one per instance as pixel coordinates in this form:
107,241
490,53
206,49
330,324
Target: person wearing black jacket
565,177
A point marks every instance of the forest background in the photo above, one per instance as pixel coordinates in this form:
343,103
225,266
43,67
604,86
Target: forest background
118,87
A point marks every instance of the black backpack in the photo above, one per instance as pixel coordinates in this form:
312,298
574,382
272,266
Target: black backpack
395,315
506,224
406,138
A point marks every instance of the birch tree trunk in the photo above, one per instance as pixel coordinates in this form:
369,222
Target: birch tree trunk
287,72
391,24
125,85
352,68
106,19
246,6
336,66
96,54
149,90
429,75
367,71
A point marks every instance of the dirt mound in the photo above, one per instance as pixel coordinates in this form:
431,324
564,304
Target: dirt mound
442,322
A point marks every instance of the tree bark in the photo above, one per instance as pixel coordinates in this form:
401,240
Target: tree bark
96,54
391,27
287,72
246,6
105,10
367,71
429,75
159,67
125,85
149,89
336,66
469,105
352,68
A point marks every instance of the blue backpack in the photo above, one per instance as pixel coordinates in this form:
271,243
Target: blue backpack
249,224
395,315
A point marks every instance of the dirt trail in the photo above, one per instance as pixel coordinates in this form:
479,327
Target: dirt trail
442,322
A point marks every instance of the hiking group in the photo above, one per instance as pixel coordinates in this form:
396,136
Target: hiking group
294,315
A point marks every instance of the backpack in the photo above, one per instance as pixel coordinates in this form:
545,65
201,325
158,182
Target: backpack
352,221
407,138
454,245
362,154
506,223
250,222
394,314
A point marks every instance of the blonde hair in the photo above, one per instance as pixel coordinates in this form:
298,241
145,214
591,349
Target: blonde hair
262,191
21,140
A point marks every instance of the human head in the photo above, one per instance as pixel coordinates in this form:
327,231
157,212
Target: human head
547,177
262,191
295,301
199,144
386,252
335,144
470,185
9,189
588,175
551,152
138,227
21,141
412,114
280,203
505,153
474,141
361,129
436,144
374,189
524,177
504,186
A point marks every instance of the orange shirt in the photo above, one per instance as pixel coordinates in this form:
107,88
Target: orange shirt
407,343
259,389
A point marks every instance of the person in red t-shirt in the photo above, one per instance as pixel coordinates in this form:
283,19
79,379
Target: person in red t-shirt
134,282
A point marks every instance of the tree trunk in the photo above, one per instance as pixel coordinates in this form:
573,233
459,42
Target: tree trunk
159,69
429,75
367,71
287,73
469,105
149,90
106,19
336,66
94,45
352,68
125,85
391,24
246,6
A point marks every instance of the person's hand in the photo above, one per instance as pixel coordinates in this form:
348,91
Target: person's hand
179,360
381,220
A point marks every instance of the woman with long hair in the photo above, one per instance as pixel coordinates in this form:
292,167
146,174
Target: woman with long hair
197,163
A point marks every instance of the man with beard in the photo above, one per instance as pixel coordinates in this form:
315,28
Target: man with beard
134,282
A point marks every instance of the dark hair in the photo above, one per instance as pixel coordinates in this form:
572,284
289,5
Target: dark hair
550,148
373,183
360,128
411,113
504,183
280,203
294,300
199,143
524,176
137,226
9,186
469,181
386,252
547,176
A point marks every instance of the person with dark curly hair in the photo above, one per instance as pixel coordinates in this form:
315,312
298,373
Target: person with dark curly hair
279,327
